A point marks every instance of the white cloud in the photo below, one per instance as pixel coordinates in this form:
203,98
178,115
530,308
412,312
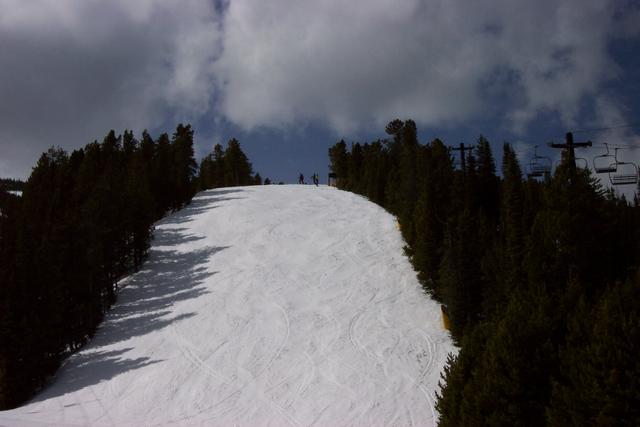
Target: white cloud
70,70
350,64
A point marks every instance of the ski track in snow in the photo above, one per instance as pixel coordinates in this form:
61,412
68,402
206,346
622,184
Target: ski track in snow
274,305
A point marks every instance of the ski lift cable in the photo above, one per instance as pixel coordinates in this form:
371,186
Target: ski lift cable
603,129
615,145
595,130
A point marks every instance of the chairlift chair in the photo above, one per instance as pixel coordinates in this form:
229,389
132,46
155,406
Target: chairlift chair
539,166
536,170
626,173
605,163
582,163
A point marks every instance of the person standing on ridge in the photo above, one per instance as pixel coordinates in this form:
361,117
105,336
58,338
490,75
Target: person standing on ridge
316,179
301,179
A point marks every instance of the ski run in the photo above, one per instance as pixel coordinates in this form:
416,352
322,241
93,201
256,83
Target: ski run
260,306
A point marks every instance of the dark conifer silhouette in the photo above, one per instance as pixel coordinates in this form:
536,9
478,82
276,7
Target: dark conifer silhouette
226,168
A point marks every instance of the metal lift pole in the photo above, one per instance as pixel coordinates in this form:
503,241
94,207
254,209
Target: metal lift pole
462,148
570,146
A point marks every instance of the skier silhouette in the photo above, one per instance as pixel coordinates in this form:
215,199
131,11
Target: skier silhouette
316,179
301,179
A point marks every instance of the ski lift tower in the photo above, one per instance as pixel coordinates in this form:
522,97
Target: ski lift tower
463,149
570,146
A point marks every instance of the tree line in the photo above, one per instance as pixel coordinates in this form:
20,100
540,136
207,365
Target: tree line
539,279
228,167
84,221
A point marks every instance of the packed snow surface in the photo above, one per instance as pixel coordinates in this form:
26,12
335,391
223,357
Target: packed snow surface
273,305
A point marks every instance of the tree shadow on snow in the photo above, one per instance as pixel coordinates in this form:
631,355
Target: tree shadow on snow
89,368
173,236
146,304
202,202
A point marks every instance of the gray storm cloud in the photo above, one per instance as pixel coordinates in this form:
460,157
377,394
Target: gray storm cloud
71,69
436,61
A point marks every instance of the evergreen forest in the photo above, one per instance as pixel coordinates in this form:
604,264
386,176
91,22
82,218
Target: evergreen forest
539,279
84,221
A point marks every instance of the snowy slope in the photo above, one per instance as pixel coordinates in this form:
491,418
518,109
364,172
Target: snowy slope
273,305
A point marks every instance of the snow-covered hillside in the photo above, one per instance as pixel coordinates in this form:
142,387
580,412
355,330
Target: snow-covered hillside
272,305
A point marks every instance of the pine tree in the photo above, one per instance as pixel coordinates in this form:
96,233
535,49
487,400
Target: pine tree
206,173
401,189
212,169
599,380
9,308
162,173
339,162
147,148
138,216
237,169
487,186
41,256
355,164
503,376
460,284
408,186
218,166
129,145
184,165
432,211
457,373
559,244
506,266
374,173
226,168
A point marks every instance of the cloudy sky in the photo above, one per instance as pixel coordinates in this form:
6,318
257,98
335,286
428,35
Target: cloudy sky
288,78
